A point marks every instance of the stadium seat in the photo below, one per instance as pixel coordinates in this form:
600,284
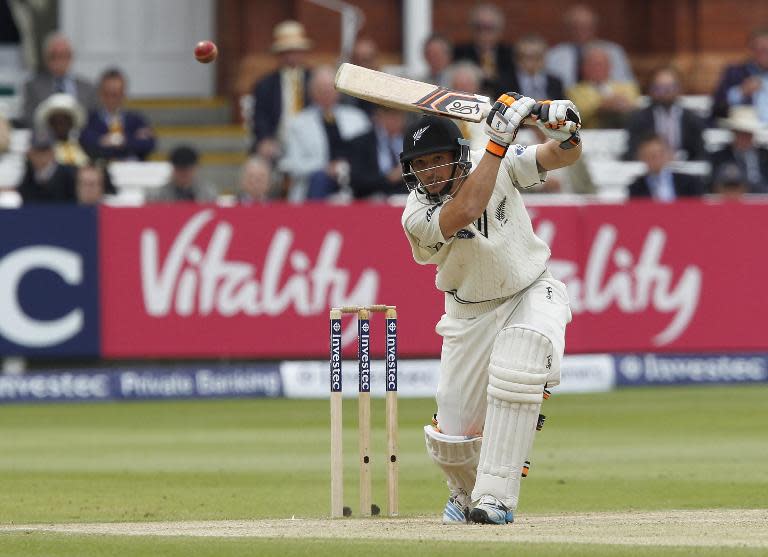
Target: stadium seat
11,169
138,177
695,168
603,144
700,104
611,177
20,140
10,199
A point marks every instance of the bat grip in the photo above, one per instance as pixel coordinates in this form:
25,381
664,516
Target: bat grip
573,127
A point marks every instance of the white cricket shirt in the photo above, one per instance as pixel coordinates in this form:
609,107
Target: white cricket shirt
495,257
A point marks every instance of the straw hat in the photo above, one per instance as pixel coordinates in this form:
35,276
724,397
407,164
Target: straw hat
741,118
60,102
290,35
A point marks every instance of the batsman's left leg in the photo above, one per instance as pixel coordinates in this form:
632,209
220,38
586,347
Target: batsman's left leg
517,374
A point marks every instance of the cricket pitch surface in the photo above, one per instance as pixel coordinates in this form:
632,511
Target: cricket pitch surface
692,528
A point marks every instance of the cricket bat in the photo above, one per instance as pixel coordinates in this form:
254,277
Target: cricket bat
414,96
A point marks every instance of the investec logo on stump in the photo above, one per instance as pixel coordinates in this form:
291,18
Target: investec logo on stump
392,354
336,356
48,291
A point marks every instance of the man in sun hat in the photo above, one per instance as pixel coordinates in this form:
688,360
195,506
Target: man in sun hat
63,117
750,159
282,93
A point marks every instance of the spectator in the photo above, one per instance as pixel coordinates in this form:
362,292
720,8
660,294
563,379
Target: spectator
660,183
365,53
255,184
438,54
681,127
530,77
375,168
63,117
487,49
602,102
745,83
468,77
45,180
730,183
113,133
751,159
185,184
57,78
565,60
317,138
282,93
91,184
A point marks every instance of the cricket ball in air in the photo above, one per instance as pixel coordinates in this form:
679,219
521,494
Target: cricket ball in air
206,52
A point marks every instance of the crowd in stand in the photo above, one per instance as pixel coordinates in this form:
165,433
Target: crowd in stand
311,143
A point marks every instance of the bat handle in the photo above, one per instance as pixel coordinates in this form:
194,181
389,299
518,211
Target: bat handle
572,127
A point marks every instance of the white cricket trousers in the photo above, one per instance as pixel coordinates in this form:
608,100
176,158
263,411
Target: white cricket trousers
467,345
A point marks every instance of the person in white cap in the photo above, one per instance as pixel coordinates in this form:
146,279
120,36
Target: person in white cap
63,117
282,93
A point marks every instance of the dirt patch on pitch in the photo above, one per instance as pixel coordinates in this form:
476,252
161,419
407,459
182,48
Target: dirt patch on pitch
704,528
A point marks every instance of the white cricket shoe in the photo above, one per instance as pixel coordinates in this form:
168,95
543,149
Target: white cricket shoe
455,512
490,510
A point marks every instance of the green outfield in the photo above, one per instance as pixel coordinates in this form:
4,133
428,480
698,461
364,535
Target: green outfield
632,451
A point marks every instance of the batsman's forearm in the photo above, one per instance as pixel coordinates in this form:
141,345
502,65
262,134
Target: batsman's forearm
476,192
550,155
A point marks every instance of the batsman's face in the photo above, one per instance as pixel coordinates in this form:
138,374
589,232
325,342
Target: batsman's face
434,170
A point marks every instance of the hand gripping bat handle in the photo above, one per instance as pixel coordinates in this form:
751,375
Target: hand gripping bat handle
573,118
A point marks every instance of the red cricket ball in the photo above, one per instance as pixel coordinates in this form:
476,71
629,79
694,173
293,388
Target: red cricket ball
206,52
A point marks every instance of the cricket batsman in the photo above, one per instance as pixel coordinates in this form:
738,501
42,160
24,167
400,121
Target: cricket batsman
504,324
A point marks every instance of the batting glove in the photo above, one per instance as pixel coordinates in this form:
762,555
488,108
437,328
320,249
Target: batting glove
560,120
504,119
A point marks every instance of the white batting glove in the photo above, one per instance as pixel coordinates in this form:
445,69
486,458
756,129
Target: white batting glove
504,119
558,120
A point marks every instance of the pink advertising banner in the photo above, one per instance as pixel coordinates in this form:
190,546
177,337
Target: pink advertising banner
208,282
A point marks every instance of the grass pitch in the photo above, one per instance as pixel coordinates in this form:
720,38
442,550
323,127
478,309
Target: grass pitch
633,450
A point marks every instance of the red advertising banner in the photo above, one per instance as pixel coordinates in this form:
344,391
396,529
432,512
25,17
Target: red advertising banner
202,281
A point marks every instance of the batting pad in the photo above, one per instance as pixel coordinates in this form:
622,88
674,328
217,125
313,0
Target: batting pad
517,374
457,456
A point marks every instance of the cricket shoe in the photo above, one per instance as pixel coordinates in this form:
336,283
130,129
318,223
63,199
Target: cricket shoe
490,510
455,512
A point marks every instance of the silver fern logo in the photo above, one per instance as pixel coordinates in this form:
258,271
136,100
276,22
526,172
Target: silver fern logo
501,211
418,133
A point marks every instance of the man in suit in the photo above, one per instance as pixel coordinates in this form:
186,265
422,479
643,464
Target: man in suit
530,78
283,93
57,78
745,83
487,50
565,59
751,160
113,133
317,140
45,180
682,128
660,183
374,157
438,54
